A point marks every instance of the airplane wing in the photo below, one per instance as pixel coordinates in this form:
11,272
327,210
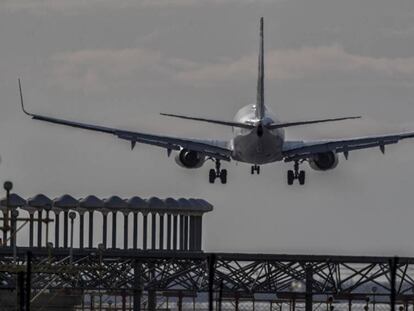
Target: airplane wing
297,150
210,148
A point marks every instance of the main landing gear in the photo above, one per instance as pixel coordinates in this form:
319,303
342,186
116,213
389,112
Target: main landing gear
255,168
217,173
296,174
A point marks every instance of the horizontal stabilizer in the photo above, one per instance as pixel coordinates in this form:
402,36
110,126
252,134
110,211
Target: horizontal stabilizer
289,124
227,123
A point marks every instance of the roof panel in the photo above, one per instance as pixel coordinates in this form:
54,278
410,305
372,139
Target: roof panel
66,201
137,203
14,201
40,201
114,202
91,202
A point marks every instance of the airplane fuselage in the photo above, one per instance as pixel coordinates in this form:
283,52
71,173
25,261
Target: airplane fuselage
259,145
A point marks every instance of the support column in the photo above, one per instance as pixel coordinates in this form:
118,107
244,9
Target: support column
200,232
90,242
5,224
57,229
125,230
137,290
186,233
39,228
28,292
153,231
135,239
180,301
309,288
161,238
81,228
123,300
152,300
192,233
196,233
65,228
182,232
175,224
169,231
211,274
152,294
114,229
31,228
104,229
20,291
393,275
145,232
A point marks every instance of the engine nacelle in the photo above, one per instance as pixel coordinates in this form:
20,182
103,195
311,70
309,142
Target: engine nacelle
190,159
324,161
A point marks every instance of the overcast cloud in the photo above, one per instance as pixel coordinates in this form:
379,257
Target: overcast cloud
121,63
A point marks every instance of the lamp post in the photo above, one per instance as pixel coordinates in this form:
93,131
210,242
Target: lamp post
329,303
8,186
366,307
374,291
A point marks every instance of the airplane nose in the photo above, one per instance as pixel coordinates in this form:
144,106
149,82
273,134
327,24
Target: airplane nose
259,130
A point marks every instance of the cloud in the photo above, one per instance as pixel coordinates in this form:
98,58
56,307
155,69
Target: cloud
70,6
306,62
94,69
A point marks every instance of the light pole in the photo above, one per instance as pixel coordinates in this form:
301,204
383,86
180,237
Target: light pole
366,307
374,291
8,186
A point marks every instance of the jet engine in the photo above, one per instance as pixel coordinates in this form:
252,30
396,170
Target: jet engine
324,161
190,159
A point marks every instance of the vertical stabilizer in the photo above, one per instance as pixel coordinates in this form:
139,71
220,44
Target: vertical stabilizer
260,78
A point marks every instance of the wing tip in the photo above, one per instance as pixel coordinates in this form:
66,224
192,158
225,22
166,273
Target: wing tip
21,99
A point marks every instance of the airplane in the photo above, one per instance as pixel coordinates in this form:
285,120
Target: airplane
258,139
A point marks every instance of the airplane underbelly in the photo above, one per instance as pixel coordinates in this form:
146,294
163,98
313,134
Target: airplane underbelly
253,149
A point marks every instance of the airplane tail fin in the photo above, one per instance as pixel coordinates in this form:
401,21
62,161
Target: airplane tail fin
260,107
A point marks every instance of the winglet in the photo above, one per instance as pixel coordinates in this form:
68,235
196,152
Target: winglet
21,99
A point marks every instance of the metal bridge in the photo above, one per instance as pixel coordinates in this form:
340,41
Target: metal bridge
132,275
160,263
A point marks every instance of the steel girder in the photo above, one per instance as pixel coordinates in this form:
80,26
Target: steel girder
248,274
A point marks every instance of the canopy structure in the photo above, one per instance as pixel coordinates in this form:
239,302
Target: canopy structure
157,224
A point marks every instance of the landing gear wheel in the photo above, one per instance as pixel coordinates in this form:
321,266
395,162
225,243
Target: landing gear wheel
223,177
295,174
290,177
217,173
255,168
212,176
301,177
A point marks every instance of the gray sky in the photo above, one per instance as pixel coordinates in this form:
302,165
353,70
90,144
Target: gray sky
120,63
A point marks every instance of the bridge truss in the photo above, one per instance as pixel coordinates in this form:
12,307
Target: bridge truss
212,276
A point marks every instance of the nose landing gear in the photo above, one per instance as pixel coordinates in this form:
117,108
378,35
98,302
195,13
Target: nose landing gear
217,173
296,174
255,168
